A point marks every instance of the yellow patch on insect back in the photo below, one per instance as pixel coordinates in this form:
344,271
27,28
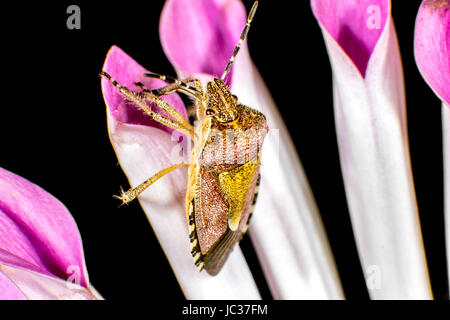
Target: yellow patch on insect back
235,184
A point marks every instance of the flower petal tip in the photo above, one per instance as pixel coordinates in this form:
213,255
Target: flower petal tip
432,45
200,37
356,25
38,229
127,72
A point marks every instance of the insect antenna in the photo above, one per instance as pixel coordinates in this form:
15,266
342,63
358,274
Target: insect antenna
241,39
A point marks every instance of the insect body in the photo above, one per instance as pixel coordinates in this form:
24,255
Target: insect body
224,168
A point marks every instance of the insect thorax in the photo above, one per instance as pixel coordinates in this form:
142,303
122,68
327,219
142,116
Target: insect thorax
226,145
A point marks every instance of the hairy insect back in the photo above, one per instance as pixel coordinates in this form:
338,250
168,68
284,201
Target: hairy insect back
226,145
223,182
224,170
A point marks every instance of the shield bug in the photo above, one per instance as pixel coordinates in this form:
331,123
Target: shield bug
225,159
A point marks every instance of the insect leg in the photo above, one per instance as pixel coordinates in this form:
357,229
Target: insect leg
199,108
131,194
171,88
196,90
180,124
180,86
151,95
148,95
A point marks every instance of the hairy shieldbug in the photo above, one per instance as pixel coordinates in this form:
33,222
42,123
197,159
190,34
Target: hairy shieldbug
224,167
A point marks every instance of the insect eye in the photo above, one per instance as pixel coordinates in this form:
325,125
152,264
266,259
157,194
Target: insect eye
210,112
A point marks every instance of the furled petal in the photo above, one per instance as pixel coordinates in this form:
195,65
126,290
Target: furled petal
432,45
38,236
142,150
37,228
199,36
121,67
446,149
432,53
25,282
344,21
373,145
9,291
298,263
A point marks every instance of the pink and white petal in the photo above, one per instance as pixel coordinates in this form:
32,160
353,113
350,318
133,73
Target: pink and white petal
356,25
127,71
446,151
298,262
305,268
432,46
20,279
142,151
373,146
8,290
37,286
198,37
38,229
432,53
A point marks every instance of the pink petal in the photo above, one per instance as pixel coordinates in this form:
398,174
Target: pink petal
355,25
446,152
9,291
432,45
37,286
199,37
304,269
127,71
371,128
37,232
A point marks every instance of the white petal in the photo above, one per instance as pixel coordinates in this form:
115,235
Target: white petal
142,151
446,149
286,229
37,286
373,146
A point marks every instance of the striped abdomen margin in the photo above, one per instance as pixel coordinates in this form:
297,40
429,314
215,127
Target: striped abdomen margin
194,245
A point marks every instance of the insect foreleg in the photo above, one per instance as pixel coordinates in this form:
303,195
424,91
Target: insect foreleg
195,90
132,193
180,123
171,88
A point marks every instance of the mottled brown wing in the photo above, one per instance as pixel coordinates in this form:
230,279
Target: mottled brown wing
215,259
211,210
216,240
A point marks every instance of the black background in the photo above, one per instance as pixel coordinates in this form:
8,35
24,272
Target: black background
53,130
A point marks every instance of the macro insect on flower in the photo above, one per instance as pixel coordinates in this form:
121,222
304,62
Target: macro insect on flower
223,174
